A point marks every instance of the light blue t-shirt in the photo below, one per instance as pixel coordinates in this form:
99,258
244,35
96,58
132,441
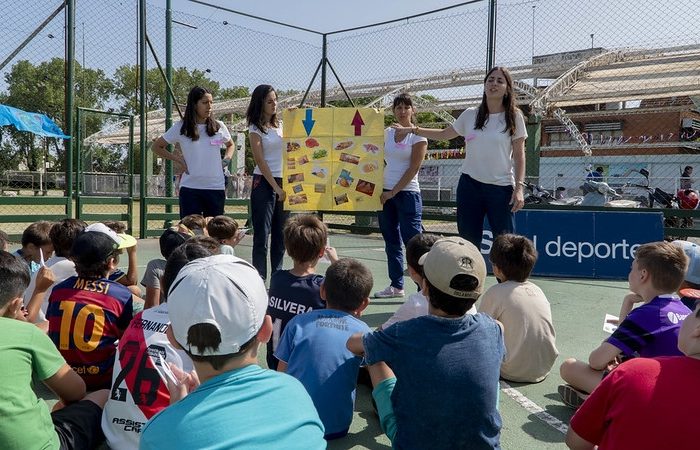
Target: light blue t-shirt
449,368
247,408
313,346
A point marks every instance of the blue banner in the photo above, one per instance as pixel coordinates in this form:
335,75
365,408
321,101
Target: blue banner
33,122
584,243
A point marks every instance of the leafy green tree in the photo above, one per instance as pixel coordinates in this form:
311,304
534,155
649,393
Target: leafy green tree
40,88
126,81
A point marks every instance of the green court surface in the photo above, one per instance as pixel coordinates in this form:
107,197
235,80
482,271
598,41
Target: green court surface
533,416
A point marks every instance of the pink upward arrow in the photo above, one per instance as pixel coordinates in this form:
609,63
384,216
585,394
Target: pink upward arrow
357,122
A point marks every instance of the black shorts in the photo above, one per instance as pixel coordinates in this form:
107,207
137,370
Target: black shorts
78,425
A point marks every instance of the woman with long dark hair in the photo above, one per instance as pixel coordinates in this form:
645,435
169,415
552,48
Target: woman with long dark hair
200,137
494,164
267,196
402,205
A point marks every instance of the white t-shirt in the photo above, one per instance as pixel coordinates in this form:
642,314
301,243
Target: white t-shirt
416,305
203,156
140,348
489,152
63,269
398,159
272,149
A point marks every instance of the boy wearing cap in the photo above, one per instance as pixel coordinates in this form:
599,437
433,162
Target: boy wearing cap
88,313
312,348
171,239
217,311
438,356
690,287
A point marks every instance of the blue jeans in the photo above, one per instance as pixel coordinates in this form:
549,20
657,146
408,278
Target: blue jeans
399,221
207,202
268,217
476,200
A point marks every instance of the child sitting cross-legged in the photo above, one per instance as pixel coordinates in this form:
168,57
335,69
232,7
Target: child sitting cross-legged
522,308
88,313
436,377
312,348
648,330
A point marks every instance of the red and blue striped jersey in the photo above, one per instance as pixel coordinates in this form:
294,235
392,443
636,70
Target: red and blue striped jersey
86,318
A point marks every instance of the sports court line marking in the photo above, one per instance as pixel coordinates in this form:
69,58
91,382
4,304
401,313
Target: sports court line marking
533,408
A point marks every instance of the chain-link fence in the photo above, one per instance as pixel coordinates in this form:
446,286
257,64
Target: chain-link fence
611,89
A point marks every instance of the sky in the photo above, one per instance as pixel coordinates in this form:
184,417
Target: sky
237,50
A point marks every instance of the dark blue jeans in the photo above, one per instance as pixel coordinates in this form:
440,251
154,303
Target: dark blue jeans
207,202
476,200
268,216
399,221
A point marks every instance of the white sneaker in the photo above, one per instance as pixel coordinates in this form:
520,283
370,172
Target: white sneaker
389,292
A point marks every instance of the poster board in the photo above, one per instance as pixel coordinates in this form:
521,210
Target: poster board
333,159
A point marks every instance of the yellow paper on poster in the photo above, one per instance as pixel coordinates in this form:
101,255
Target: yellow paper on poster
333,159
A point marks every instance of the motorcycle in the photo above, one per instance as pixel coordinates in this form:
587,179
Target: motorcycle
537,195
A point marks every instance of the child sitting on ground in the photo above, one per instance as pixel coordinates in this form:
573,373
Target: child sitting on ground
216,307
312,348
649,330
445,391
298,290
416,305
130,406
690,287
88,313
225,230
35,240
25,354
523,310
62,235
171,239
641,401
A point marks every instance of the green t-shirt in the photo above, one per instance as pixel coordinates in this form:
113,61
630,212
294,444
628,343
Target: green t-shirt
26,421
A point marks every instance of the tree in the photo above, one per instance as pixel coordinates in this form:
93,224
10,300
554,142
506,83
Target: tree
126,80
40,88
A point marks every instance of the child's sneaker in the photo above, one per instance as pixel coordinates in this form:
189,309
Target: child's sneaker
572,397
389,292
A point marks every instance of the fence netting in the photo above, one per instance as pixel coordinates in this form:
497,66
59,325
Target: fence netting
609,88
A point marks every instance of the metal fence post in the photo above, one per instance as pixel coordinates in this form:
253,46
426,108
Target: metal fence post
491,46
69,93
142,117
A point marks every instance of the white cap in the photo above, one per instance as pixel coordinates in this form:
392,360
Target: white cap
123,240
452,256
224,291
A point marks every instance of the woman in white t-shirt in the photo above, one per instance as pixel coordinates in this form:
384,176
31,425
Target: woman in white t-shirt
400,217
200,137
494,165
267,196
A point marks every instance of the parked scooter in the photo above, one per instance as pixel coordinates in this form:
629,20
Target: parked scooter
599,193
536,195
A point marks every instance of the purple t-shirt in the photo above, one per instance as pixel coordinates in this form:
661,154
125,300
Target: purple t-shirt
651,329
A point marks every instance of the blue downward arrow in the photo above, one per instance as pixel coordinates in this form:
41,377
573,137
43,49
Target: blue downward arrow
309,122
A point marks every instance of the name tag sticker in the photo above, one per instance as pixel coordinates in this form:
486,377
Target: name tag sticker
217,141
